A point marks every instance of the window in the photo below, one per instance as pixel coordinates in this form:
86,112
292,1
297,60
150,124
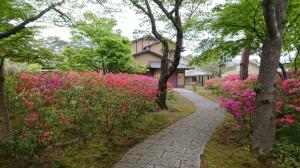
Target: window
147,48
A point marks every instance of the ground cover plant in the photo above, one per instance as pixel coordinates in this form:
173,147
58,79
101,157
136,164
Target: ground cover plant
51,111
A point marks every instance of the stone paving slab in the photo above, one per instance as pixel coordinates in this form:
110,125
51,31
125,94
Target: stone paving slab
179,145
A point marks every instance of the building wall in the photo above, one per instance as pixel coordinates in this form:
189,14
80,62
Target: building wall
200,79
188,80
138,46
133,48
157,48
252,70
176,79
156,73
184,60
144,59
180,79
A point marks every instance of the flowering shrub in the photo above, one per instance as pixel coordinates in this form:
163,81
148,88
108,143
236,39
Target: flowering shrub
238,97
57,107
213,83
288,104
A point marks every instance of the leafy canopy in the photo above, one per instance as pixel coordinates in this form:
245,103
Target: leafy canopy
97,46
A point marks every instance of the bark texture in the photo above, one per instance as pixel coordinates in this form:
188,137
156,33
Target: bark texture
244,63
4,117
264,123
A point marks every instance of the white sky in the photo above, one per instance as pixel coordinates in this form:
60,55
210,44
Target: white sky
127,22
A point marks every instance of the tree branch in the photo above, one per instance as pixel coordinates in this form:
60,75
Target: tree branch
64,17
148,12
165,11
291,24
2,61
270,18
22,25
254,23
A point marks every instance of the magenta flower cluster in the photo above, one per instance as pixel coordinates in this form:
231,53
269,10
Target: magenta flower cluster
238,97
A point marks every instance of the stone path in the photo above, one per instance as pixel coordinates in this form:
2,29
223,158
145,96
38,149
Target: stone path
179,145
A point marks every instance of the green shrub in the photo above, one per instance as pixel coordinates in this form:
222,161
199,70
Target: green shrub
286,155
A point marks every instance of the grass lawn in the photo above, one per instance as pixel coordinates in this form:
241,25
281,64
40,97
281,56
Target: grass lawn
228,148
99,153
204,93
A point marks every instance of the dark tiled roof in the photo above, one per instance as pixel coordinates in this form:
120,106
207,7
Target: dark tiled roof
147,36
156,64
196,72
146,51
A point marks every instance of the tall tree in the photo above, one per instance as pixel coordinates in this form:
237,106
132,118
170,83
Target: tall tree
96,46
264,125
15,43
216,51
21,47
247,28
171,11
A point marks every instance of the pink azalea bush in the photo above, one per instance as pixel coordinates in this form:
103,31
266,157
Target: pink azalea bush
288,100
238,97
59,106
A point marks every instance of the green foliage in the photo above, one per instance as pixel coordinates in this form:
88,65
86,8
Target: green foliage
287,155
241,23
34,67
103,129
96,46
286,150
231,31
22,47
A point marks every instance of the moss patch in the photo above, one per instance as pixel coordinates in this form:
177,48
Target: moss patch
227,148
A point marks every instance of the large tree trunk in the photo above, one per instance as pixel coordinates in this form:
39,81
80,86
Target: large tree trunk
4,118
244,63
264,123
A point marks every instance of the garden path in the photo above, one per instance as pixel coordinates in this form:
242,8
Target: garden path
181,144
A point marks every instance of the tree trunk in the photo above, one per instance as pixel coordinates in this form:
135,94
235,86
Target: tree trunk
162,87
220,71
4,118
283,71
264,123
244,63
295,60
168,67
